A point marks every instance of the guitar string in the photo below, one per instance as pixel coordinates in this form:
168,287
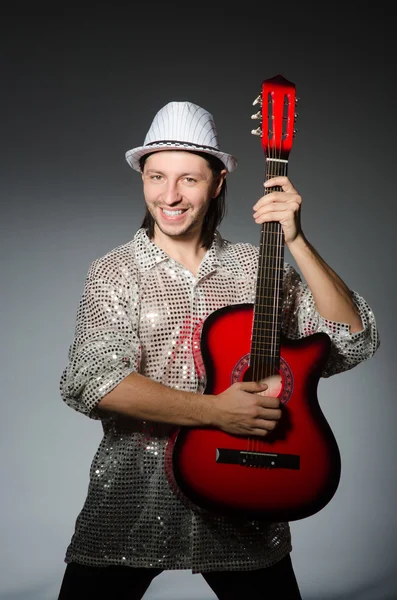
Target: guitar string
278,290
277,244
272,277
272,248
269,295
264,301
260,369
255,335
273,242
257,306
259,338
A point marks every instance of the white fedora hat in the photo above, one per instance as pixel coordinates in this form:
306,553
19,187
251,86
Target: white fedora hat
181,126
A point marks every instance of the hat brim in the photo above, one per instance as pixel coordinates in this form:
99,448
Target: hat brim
133,156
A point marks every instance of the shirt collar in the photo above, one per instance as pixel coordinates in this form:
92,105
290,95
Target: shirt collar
148,254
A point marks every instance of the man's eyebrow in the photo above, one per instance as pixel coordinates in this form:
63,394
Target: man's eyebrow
159,172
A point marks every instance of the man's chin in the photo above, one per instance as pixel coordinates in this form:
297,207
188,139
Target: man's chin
175,231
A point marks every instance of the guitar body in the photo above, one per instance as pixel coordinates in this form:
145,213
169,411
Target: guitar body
291,473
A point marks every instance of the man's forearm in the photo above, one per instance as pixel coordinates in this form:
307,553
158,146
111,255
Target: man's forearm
141,398
332,297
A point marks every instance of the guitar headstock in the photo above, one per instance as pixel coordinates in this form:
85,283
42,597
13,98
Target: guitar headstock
277,102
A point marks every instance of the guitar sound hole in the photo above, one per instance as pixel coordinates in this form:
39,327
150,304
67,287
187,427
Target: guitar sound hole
280,385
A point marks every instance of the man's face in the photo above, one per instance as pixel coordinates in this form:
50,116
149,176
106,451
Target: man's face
178,187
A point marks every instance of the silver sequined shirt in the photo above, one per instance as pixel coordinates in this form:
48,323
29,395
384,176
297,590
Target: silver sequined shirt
138,312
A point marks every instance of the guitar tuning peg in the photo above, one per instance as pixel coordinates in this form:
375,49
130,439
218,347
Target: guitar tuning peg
257,115
294,133
296,115
258,100
297,99
257,131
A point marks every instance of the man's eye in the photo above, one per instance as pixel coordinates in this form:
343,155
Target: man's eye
155,177
190,180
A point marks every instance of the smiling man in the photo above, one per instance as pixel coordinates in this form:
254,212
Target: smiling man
179,187
132,365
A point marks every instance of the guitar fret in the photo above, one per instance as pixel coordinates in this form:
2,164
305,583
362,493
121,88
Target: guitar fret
268,303
274,268
272,314
268,347
261,332
265,339
275,293
262,348
269,338
264,321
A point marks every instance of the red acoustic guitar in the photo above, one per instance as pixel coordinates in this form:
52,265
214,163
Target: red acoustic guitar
294,471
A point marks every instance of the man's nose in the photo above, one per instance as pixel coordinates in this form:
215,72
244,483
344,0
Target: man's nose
171,194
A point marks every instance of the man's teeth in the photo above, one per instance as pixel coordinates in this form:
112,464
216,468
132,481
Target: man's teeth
172,213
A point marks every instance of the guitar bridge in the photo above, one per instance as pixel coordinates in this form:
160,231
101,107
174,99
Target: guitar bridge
263,460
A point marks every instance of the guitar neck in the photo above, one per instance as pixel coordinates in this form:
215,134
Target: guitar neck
266,329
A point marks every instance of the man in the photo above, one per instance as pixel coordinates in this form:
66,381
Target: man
132,365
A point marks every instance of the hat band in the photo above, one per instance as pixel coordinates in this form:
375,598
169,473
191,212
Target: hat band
179,143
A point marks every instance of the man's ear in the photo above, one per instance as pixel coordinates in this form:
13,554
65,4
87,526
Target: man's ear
220,179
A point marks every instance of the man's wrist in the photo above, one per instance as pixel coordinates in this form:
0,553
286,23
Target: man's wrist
299,244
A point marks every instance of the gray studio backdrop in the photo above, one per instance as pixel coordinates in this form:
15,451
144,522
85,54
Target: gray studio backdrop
76,94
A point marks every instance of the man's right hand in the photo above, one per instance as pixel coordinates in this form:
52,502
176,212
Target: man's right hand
242,409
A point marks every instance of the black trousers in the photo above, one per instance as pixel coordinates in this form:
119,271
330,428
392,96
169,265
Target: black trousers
81,582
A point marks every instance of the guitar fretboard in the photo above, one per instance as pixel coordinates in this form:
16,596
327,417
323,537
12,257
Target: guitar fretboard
266,329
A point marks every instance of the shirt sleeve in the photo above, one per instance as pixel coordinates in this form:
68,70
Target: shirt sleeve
301,319
106,347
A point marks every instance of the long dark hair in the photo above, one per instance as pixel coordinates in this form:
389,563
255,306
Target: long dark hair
217,206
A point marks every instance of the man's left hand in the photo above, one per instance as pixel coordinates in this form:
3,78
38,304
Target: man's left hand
283,206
